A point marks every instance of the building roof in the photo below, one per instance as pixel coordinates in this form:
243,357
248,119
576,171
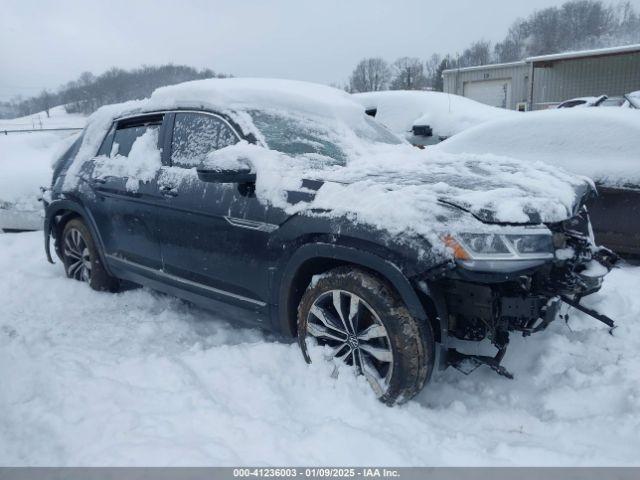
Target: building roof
485,67
600,52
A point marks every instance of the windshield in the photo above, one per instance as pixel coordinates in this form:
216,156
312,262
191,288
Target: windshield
317,139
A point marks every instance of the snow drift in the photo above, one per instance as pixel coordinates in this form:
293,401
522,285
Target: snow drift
140,378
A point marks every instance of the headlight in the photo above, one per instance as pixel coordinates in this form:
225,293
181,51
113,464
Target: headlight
500,252
531,244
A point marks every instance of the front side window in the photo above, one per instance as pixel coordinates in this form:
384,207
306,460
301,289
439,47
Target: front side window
195,135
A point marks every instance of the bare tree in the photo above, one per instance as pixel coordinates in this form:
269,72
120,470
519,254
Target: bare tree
45,100
446,63
409,74
431,69
370,75
479,53
574,25
513,47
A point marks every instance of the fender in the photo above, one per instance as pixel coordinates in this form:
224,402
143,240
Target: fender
373,262
69,205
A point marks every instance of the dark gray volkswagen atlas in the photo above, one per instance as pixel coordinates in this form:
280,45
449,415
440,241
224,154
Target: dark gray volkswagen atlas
282,205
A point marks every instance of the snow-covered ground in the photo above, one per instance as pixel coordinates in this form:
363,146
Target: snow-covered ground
139,378
57,118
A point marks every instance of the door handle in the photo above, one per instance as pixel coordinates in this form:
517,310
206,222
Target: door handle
168,191
98,181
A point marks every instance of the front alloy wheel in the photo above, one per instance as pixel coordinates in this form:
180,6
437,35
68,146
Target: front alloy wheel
361,321
352,329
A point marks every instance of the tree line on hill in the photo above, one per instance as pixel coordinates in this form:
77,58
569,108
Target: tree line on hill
90,92
575,25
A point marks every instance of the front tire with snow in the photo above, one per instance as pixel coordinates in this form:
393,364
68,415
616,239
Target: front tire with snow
366,325
81,259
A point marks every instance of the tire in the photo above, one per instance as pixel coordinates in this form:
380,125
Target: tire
381,332
81,259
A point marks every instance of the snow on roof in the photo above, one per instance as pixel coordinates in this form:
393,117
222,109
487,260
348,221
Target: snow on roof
520,63
445,113
230,96
601,143
257,93
585,53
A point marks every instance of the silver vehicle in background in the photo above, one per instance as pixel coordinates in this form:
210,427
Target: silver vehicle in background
630,100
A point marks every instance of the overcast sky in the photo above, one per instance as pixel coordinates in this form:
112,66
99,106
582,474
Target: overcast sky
44,43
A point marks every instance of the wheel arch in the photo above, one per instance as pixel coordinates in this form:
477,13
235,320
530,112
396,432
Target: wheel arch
316,258
57,214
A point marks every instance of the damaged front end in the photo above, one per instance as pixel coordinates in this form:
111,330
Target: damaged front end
520,288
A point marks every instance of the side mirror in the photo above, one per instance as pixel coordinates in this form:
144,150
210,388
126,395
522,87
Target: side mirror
240,175
222,167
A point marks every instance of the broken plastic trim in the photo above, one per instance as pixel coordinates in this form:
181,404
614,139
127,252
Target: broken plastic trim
592,313
469,363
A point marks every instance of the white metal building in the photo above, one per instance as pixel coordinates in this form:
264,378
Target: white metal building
558,77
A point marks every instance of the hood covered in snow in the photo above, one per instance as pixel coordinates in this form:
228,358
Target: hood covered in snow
492,189
405,191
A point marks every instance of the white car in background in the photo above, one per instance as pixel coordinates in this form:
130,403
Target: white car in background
25,166
630,100
425,117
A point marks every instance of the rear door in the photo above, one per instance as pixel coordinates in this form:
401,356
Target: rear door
124,179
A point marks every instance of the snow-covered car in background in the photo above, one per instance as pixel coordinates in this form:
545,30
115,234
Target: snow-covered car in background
582,102
25,166
28,146
284,205
631,100
426,118
600,143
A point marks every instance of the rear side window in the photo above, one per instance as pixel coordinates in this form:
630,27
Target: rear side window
124,138
105,148
124,133
195,135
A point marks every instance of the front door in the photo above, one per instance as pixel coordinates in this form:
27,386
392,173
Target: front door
213,236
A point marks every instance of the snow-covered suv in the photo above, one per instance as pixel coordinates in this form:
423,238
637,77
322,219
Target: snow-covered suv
284,205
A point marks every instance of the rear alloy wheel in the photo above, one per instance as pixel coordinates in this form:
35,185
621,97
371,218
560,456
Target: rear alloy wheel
77,256
81,259
365,324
